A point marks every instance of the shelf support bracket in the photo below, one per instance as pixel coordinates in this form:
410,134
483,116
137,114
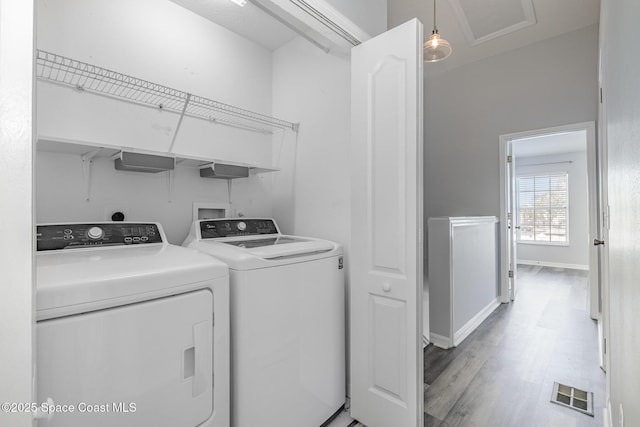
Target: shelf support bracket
170,179
87,160
175,134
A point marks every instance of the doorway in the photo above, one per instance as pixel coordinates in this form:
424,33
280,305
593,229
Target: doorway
549,204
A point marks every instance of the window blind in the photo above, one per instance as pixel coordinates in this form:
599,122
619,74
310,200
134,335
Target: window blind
543,204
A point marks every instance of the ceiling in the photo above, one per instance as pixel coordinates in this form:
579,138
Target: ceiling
557,143
249,21
552,17
476,29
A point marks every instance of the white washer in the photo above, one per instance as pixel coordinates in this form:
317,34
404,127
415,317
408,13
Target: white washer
125,328
287,321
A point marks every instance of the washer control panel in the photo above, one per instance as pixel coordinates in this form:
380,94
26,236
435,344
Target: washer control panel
68,236
236,227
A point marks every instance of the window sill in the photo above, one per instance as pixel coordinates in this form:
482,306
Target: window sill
538,243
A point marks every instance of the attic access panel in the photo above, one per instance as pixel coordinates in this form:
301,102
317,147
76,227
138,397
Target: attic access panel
484,20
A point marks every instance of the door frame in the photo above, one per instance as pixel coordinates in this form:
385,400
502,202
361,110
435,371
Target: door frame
17,118
592,176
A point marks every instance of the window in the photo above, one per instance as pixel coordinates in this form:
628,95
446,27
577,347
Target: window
543,208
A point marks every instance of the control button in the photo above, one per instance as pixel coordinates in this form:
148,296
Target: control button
95,233
128,240
136,239
68,231
68,237
144,238
242,226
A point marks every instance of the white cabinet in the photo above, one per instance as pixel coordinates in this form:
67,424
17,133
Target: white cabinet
463,276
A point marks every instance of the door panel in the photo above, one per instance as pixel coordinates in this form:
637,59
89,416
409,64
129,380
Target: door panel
386,119
386,222
388,348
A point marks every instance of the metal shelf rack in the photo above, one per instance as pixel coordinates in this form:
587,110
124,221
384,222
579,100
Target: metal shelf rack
90,78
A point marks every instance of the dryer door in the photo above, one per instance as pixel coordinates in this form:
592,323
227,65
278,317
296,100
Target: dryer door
145,364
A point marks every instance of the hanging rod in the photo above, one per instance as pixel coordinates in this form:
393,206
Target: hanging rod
91,78
326,21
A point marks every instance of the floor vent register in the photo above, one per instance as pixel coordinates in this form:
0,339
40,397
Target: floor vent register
574,398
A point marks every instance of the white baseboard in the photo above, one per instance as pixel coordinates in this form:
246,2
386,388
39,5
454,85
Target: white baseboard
441,341
554,264
425,341
606,415
474,322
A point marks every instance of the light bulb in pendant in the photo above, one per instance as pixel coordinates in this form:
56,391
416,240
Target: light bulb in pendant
436,48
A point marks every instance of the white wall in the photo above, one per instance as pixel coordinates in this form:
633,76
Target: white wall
370,15
16,199
550,83
622,97
143,196
312,190
158,41
311,193
576,254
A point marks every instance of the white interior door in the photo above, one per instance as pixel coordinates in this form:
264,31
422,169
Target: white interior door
386,225
513,222
603,223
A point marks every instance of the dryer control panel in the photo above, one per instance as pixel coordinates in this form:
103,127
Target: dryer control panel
68,236
236,227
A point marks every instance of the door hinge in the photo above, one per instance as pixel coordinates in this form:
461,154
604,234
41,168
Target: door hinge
601,97
509,159
510,274
604,346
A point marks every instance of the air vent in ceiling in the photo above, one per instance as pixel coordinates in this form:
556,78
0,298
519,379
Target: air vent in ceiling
483,20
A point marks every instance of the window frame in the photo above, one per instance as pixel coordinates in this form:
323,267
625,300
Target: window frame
517,210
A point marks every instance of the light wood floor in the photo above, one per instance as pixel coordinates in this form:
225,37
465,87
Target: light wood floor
503,374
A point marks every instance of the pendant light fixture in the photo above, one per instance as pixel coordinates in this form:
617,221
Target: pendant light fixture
435,49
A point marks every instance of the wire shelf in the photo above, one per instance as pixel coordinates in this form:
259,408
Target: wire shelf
91,78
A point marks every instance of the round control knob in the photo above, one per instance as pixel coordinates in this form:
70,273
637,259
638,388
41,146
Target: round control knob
242,226
95,233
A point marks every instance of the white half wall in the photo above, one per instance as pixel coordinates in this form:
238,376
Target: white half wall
576,253
547,84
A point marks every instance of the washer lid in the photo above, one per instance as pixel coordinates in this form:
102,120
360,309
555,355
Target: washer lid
282,246
251,243
238,257
78,280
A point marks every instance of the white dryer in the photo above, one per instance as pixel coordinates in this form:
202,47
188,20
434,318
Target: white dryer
287,321
125,329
